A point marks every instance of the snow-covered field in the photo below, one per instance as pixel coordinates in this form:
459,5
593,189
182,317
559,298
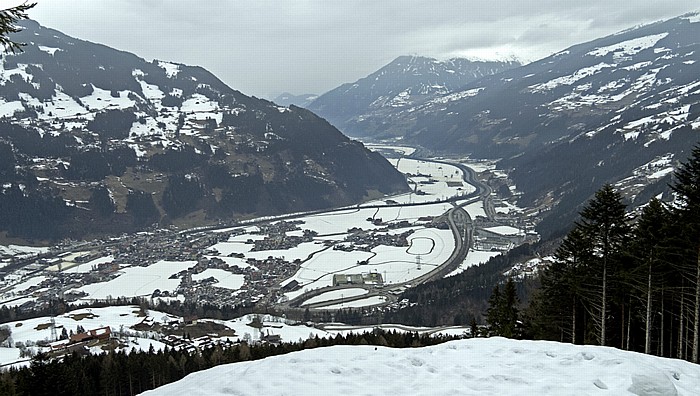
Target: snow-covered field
490,366
21,251
504,230
224,279
395,264
121,320
474,257
437,181
336,295
139,281
374,300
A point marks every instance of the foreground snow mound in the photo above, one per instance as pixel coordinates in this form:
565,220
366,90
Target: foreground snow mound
494,366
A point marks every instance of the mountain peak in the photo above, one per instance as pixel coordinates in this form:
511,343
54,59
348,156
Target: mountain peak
399,84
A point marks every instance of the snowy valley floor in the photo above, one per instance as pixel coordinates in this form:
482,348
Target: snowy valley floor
494,366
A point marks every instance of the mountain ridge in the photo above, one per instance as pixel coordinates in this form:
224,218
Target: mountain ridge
399,84
619,105
92,127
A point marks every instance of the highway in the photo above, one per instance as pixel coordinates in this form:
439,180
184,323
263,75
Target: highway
459,221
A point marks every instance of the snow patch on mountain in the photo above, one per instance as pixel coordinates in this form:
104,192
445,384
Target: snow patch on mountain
8,109
103,99
570,79
457,96
20,70
49,50
629,47
692,18
171,69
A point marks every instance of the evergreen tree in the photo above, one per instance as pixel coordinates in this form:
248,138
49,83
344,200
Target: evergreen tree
502,314
604,221
101,201
141,206
8,19
509,310
647,249
687,213
493,314
182,194
566,282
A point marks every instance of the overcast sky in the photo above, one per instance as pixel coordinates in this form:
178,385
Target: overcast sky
266,47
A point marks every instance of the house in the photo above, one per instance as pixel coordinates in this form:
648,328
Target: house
291,286
101,334
275,339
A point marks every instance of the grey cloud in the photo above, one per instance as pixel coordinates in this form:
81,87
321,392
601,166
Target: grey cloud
265,47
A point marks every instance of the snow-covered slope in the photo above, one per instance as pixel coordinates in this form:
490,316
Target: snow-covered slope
494,366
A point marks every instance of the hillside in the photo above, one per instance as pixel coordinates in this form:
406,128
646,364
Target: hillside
398,86
625,109
494,366
98,141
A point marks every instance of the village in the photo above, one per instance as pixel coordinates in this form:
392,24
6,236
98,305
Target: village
360,257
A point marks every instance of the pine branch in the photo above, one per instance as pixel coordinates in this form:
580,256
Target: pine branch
8,19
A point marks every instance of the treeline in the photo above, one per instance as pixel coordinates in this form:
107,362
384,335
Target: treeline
175,307
629,283
463,298
117,373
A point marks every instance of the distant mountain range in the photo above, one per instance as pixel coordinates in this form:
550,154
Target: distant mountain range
622,109
400,85
95,140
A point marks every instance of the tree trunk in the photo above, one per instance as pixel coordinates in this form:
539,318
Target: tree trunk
696,317
622,327
573,323
681,330
663,315
647,335
629,327
604,308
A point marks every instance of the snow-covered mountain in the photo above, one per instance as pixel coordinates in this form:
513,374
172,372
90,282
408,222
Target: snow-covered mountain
622,109
494,366
401,84
95,139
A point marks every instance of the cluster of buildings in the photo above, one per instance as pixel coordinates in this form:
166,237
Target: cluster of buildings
82,342
368,240
149,247
276,237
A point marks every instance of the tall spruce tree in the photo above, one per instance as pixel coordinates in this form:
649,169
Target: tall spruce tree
566,282
502,314
605,222
647,250
8,19
687,212
493,314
